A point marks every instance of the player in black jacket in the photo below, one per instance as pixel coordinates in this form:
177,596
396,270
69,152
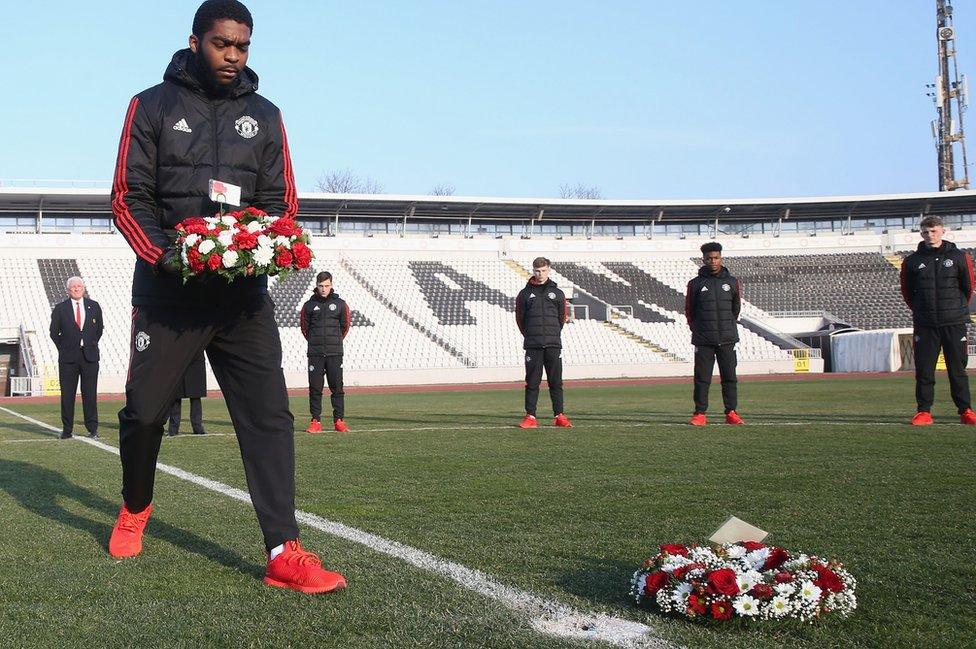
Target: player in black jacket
325,321
206,122
937,284
712,304
541,310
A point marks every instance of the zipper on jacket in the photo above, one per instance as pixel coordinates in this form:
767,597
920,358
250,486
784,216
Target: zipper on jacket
935,290
213,136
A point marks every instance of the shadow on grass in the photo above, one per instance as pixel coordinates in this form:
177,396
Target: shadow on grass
40,491
600,580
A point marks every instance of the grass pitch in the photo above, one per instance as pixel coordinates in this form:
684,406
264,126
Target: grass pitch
827,466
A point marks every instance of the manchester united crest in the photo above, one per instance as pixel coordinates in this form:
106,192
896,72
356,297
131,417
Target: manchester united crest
247,127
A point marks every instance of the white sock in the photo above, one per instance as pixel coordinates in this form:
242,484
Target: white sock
275,551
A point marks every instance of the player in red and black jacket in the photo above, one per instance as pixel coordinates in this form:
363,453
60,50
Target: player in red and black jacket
541,310
937,284
712,304
204,122
325,321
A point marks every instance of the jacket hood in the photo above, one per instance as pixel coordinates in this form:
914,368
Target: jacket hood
183,70
548,283
947,246
722,273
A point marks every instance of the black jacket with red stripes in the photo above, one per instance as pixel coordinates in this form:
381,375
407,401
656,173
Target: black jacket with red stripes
937,285
541,311
325,321
176,137
712,305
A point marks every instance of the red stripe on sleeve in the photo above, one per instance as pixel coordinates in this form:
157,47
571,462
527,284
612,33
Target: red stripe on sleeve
291,194
348,324
972,278
688,303
303,323
904,286
134,234
565,310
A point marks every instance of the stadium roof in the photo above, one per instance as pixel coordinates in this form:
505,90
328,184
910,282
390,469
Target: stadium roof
388,206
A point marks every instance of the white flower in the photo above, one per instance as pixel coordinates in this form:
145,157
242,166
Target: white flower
263,255
780,606
226,237
254,226
746,605
228,220
186,260
229,259
206,246
736,552
747,580
757,558
681,593
211,220
809,591
264,241
785,589
282,241
191,239
701,555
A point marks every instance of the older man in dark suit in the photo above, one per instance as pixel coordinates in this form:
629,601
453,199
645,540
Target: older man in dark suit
76,327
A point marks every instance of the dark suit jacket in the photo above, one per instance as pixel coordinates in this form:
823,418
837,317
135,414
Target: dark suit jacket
67,337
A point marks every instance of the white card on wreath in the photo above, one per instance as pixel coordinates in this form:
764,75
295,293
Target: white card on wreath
736,529
221,192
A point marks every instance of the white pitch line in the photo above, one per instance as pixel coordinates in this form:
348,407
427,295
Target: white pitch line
550,617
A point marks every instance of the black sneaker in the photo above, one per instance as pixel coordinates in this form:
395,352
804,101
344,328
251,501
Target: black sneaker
171,433
199,432
65,435
93,435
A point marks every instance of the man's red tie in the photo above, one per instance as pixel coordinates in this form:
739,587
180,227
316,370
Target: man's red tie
78,314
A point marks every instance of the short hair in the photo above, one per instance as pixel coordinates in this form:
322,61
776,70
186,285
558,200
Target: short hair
213,10
324,275
72,279
711,246
931,222
539,262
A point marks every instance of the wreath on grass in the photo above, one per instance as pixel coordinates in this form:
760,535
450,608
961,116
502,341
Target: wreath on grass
746,579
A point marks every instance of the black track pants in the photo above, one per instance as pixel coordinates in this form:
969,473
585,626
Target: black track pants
245,353
953,342
330,369
705,357
550,359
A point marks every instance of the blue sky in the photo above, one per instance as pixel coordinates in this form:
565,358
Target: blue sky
642,98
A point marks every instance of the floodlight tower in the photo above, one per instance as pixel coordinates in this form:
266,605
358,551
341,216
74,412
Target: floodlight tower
951,99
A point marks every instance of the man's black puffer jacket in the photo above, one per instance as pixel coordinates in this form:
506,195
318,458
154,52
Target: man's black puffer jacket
712,305
325,321
177,136
937,284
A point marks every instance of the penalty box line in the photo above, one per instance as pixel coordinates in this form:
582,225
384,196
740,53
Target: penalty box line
546,616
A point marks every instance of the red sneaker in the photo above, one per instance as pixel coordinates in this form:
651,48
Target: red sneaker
562,421
341,427
126,539
529,421
698,419
968,417
314,427
922,418
733,418
302,571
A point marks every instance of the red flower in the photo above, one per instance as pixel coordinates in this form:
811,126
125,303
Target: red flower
303,256
213,261
777,557
762,591
722,582
721,610
246,240
195,225
752,546
655,581
681,571
193,257
827,579
285,228
695,605
250,210
284,258
675,549
783,577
